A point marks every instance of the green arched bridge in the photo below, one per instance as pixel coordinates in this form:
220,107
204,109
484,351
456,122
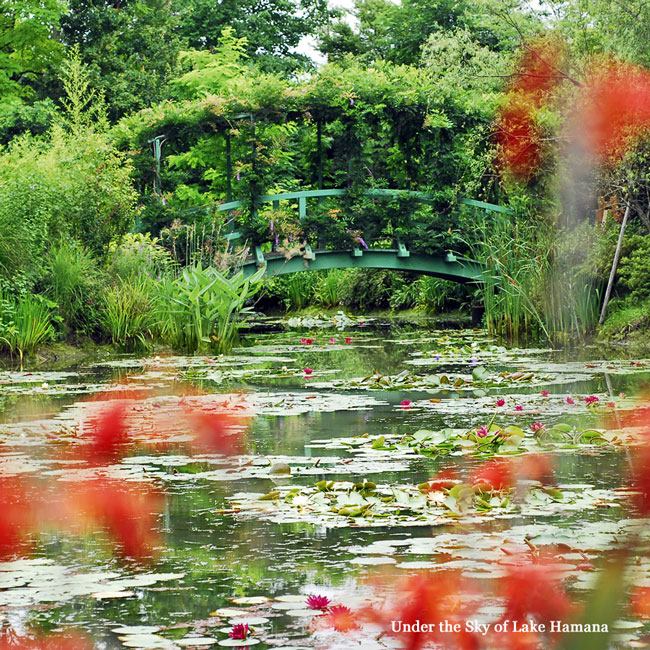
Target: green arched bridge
447,266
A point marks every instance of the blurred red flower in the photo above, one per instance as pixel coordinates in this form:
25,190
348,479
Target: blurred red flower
108,432
18,516
55,642
494,474
128,512
615,103
534,590
219,431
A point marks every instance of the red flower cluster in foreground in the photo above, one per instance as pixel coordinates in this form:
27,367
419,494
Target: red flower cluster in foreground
615,103
128,512
18,511
518,136
55,642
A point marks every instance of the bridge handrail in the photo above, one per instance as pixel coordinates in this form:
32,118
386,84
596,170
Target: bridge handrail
486,206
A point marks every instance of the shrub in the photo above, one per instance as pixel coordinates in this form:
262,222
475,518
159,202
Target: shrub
328,289
634,269
138,255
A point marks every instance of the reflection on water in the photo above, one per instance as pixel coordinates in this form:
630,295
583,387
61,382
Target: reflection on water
222,556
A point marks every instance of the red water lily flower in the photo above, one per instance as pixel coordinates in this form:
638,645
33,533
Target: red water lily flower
307,371
544,393
500,402
592,399
304,341
341,618
519,407
570,400
348,339
405,403
239,631
332,341
318,602
482,432
536,426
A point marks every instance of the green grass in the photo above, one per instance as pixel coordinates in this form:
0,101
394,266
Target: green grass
626,320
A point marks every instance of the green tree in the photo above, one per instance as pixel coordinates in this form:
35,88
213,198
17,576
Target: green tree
272,28
130,47
27,44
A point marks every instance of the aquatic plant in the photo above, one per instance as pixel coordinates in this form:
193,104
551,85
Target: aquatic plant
26,323
204,308
128,313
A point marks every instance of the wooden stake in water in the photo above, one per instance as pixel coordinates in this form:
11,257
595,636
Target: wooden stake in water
612,273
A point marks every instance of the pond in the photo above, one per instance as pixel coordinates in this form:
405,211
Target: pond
328,490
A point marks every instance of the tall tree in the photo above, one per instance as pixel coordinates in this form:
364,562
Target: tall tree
130,47
272,28
27,44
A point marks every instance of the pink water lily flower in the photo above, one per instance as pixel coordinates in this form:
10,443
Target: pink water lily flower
348,339
544,393
307,371
239,631
332,341
570,400
318,602
536,426
482,432
519,407
304,341
405,403
592,399
500,402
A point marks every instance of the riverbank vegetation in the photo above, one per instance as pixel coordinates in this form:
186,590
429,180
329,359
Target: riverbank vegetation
113,166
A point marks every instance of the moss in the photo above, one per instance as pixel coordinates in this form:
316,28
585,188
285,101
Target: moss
627,320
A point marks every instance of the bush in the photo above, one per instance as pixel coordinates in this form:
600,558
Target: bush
73,280
138,255
634,269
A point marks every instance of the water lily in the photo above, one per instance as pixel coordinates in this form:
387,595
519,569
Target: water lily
348,339
305,341
592,399
307,371
341,618
536,426
519,407
406,403
611,405
332,341
239,631
482,432
544,393
318,602
500,402
570,400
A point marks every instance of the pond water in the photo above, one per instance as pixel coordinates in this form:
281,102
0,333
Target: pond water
391,407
